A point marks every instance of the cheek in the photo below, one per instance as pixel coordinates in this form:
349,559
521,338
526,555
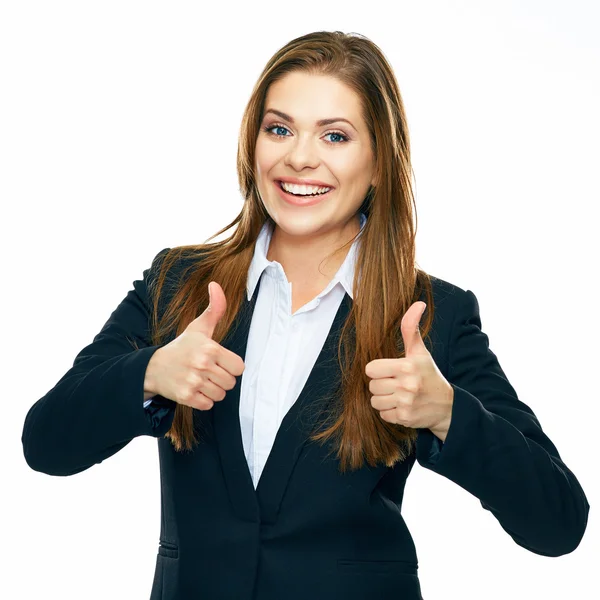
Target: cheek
266,155
347,172
349,165
259,165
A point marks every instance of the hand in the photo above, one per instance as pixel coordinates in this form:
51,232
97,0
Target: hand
411,391
193,369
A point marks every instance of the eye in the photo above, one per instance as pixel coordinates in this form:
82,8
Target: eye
268,130
279,126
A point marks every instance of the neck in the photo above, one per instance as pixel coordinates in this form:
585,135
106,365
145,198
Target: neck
301,258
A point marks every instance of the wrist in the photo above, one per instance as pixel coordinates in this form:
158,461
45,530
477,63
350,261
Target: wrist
150,388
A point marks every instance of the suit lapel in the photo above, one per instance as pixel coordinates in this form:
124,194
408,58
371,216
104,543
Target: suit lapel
263,503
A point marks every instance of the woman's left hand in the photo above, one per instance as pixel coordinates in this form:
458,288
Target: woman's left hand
411,391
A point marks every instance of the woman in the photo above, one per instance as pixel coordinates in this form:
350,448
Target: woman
290,412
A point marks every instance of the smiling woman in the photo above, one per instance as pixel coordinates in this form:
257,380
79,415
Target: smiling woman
298,145
302,161
291,405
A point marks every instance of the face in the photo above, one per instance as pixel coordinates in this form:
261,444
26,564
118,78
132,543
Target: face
292,145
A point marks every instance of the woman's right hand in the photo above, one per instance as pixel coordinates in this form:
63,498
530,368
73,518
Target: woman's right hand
193,369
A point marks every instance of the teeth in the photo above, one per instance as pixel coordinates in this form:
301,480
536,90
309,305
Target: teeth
303,190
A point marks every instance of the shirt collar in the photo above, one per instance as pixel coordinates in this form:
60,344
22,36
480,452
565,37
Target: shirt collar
344,275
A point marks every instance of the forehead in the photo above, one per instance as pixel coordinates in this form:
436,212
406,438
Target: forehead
308,97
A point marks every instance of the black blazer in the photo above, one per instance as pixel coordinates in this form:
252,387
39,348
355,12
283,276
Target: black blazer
306,531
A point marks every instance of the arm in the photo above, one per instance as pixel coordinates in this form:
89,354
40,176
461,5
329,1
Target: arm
96,408
496,450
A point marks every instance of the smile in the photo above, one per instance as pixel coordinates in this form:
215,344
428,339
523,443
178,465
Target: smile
302,200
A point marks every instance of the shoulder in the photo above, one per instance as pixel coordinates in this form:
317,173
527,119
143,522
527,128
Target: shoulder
454,307
174,261
458,308
447,296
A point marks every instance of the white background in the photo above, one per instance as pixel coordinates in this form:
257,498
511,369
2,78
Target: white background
119,125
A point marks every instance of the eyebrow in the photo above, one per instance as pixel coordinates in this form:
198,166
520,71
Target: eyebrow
318,123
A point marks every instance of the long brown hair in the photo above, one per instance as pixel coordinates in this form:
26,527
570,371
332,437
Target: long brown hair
392,281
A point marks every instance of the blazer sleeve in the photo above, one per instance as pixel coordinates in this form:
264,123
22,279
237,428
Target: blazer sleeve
96,408
496,450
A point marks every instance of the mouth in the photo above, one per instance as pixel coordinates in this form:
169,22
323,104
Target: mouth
302,199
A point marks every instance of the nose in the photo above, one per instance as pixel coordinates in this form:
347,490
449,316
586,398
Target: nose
302,153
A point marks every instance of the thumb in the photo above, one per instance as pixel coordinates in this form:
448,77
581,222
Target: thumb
413,342
209,319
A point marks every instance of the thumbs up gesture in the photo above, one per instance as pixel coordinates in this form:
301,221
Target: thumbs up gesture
411,391
193,369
